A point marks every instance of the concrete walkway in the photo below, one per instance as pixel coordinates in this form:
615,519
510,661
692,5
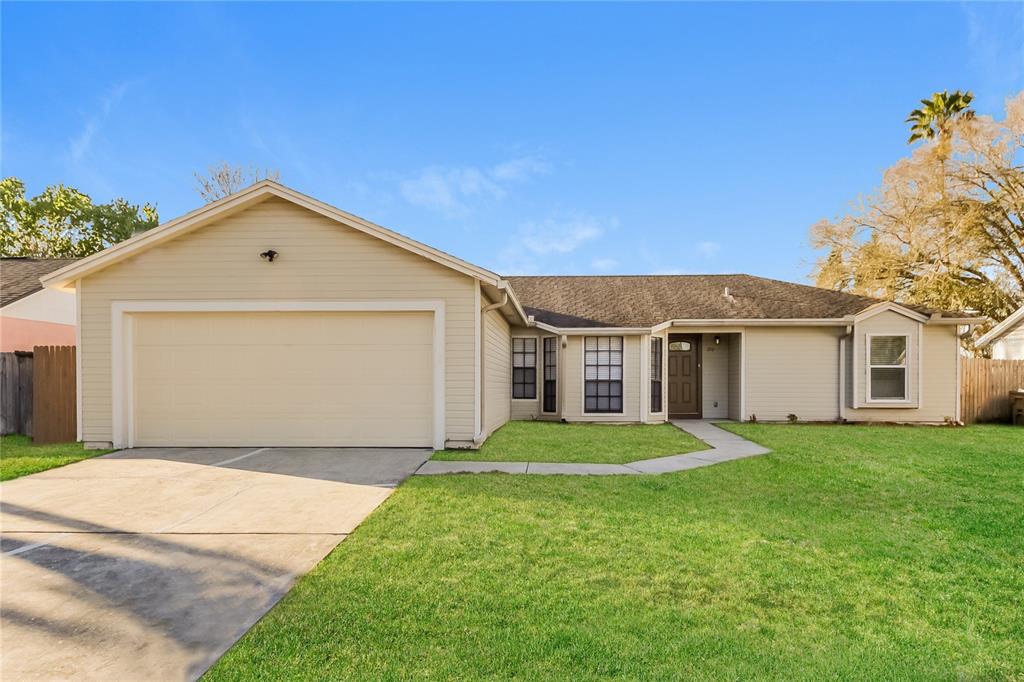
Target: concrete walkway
725,446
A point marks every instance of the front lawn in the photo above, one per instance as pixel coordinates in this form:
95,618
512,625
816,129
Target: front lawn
850,552
19,457
538,441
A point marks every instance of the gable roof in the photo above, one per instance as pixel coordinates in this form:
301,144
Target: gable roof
19,277
1011,323
240,200
638,301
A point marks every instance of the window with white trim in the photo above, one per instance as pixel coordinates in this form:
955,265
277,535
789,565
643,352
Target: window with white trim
887,367
656,374
550,374
524,368
602,366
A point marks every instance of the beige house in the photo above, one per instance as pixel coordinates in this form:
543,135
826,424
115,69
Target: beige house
271,319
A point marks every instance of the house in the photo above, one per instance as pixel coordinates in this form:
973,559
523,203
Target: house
1006,338
29,314
270,318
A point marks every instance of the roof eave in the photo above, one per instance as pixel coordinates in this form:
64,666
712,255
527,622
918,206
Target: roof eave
1002,329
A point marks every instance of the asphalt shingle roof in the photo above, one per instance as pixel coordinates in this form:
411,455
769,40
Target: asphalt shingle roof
19,277
647,300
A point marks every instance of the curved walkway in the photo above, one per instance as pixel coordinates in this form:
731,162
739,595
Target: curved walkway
724,446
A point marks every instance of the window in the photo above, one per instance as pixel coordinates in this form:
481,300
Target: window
887,367
524,368
656,374
602,374
550,374
680,345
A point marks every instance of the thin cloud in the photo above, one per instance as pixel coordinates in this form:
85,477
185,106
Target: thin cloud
453,190
708,249
553,236
604,264
81,144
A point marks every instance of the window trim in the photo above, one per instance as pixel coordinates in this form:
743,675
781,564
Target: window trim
543,372
583,376
511,372
868,398
661,375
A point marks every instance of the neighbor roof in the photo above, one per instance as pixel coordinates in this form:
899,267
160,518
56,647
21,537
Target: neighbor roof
19,277
633,301
1011,323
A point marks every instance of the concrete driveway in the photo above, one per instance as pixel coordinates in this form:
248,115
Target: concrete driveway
150,563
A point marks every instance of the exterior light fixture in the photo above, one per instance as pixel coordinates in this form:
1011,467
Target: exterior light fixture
718,339
269,255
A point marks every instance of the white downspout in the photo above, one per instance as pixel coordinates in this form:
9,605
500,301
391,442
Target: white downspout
483,374
842,372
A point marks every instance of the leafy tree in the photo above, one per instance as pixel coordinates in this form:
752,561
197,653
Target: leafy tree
936,117
62,222
225,179
945,228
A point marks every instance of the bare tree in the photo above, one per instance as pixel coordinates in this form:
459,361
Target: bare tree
225,179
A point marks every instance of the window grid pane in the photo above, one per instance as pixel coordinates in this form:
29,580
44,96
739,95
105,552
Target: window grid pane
550,374
603,374
656,375
524,372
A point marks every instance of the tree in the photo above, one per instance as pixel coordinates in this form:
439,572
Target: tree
936,117
62,222
945,228
225,179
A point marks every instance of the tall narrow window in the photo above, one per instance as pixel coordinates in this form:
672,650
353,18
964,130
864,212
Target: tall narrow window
602,374
655,374
550,374
887,367
524,368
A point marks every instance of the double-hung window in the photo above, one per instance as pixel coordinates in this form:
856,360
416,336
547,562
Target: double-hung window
887,367
602,365
656,374
550,374
524,368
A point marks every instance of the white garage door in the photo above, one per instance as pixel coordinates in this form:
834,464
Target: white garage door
283,378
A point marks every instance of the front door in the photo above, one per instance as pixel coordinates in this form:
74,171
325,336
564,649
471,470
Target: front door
684,376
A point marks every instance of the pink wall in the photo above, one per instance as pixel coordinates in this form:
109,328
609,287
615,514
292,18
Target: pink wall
19,334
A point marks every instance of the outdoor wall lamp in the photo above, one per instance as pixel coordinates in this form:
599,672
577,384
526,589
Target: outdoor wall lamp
269,255
718,339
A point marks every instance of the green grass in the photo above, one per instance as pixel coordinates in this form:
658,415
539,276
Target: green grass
538,441
19,457
889,553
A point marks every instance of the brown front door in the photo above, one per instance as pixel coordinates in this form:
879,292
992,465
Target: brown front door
684,376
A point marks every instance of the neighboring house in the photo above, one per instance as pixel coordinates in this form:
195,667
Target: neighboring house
29,314
1006,338
270,318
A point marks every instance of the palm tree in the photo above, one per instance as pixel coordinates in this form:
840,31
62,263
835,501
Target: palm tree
938,113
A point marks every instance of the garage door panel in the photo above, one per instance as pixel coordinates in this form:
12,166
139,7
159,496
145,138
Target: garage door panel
309,378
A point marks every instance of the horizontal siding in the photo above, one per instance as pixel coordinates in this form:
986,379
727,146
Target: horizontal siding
497,353
792,370
319,260
715,376
938,381
735,372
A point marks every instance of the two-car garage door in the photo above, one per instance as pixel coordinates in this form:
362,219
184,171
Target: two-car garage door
282,378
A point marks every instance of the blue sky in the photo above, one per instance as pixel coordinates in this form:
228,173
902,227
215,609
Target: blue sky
527,138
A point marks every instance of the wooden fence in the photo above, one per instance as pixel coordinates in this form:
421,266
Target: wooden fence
985,387
16,393
39,394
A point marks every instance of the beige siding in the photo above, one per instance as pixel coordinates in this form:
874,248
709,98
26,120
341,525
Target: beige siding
735,384
938,390
715,376
319,260
572,405
792,370
497,371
